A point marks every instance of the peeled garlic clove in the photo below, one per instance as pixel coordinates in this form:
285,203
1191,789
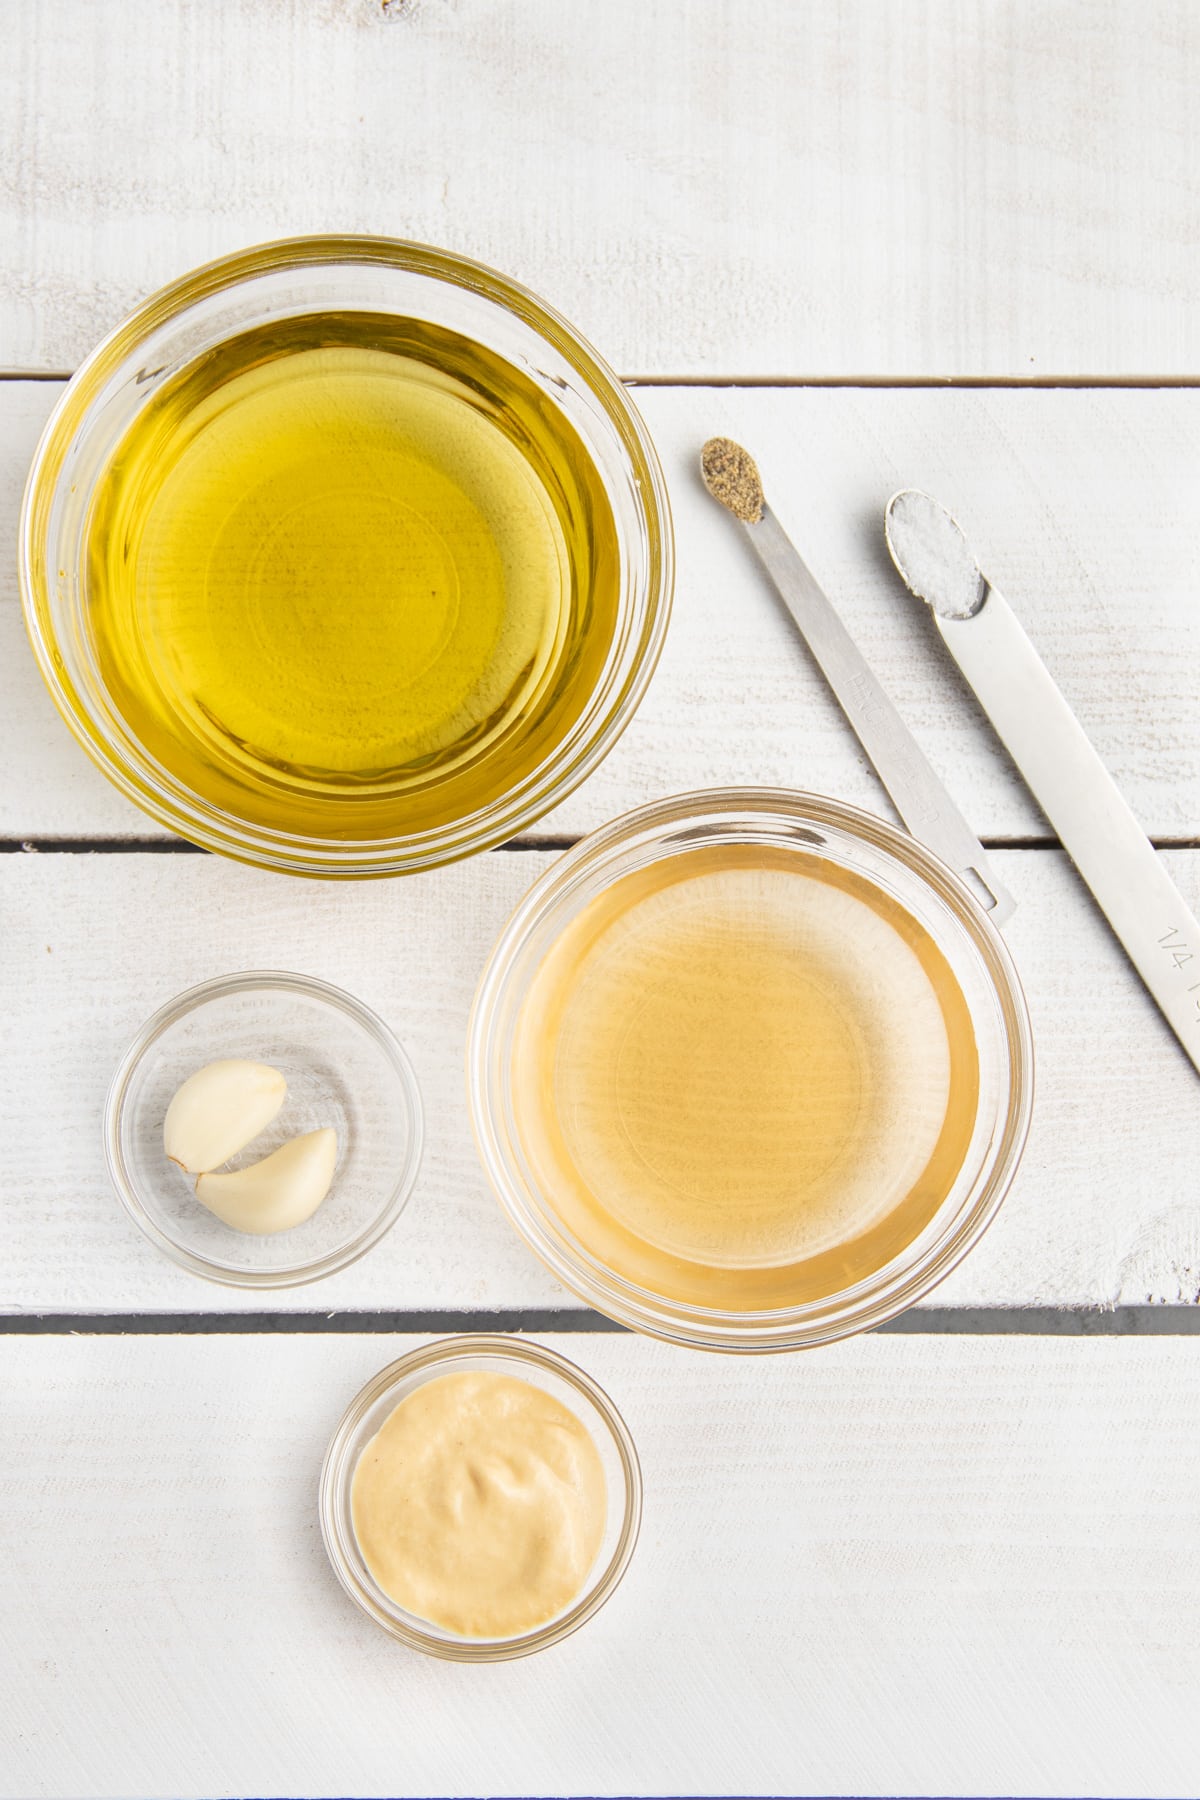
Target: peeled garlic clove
282,1190
218,1110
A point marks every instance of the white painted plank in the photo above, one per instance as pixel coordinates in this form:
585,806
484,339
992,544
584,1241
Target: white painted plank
1105,1207
914,1566
896,189
1081,503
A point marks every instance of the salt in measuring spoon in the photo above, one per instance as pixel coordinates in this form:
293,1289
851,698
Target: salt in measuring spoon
1050,748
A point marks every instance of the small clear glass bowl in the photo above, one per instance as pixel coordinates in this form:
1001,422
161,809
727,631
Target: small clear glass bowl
343,1067
504,1356
875,851
183,323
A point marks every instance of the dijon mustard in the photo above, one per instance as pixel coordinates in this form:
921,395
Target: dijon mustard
480,1504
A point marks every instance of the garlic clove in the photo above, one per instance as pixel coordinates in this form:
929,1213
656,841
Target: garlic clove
282,1190
218,1110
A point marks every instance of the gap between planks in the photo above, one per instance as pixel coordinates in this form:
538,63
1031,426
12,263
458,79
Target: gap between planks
1045,383
150,846
942,382
930,1321
172,846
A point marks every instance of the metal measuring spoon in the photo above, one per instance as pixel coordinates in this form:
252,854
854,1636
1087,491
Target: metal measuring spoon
731,476
1050,748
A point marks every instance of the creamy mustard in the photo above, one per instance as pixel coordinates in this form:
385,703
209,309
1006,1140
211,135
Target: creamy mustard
480,1504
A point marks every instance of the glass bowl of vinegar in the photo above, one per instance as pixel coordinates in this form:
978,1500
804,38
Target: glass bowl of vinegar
345,556
750,1070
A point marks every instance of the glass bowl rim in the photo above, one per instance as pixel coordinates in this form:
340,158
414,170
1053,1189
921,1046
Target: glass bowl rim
276,981
434,1358
509,813
861,1307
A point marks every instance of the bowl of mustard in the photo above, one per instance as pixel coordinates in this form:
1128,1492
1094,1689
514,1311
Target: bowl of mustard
481,1498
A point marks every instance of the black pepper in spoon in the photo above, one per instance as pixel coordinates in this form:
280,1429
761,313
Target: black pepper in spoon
731,476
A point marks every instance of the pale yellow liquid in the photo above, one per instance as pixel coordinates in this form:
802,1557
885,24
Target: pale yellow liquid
744,1078
351,576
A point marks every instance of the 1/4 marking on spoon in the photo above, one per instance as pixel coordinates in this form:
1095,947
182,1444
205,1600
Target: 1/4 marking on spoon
1178,946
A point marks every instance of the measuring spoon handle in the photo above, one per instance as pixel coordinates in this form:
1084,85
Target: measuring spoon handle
916,791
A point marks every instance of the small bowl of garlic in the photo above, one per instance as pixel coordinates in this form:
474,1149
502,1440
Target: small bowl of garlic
264,1129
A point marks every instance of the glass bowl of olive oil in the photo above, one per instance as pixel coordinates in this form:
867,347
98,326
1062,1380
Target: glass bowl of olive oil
345,556
750,1070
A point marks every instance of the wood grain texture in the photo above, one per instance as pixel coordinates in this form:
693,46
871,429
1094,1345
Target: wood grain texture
1082,506
899,1566
1104,1208
892,188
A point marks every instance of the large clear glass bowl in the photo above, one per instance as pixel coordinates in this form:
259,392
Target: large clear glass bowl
315,275
875,852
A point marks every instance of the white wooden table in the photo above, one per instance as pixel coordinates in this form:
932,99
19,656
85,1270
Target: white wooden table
889,242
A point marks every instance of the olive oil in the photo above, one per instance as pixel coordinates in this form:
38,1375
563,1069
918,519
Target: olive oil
351,576
744,1077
